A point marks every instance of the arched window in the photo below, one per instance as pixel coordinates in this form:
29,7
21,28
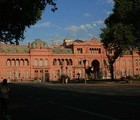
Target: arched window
26,62
8,62
17,62
45,62
70,60
13,62
61,62
41,62
36,62
67,62
21,62
79,62
54,62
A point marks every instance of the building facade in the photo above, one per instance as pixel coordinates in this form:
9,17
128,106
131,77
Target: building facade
75,58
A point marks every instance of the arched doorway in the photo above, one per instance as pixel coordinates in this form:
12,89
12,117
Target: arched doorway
96,69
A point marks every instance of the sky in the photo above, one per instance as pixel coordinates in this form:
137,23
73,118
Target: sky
74,19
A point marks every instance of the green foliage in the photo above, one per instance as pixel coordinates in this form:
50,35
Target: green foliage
127,13
16,15
122,30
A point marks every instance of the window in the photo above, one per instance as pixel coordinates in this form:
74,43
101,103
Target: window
21,62
8,63
13,62
36,62
36,73
61,62
129,62
45,62
41,63
118,63
99,50
26,74
9,74
70,60
124,62
17,74
25,62
54,62
79,50
17,62
95,50
79,62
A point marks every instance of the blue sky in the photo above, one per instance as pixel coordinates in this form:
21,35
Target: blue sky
75,19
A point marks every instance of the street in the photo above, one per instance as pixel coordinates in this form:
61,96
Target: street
67,102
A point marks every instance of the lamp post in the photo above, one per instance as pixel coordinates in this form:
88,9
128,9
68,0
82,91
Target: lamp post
84,61
66,71
92,69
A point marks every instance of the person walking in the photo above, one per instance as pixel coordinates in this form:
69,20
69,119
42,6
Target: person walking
4,94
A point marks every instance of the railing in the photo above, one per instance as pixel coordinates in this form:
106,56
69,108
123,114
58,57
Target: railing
41,67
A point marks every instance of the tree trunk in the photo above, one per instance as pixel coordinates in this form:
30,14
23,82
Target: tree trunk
111,68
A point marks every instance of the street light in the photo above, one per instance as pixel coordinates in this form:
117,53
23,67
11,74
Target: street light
84,61
92,70
66,71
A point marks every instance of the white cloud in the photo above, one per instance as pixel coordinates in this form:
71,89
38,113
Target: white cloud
99,22
73,28
83,27
45,24
85,31
86,14
110,1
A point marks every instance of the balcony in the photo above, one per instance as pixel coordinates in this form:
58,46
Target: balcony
41,67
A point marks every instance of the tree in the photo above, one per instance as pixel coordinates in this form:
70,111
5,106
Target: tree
122,30
16,15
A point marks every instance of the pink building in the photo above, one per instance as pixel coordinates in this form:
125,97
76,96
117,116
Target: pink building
48,63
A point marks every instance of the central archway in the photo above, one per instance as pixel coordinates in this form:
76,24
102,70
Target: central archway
96,68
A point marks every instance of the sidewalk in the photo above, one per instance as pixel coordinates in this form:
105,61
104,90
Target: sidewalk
100,83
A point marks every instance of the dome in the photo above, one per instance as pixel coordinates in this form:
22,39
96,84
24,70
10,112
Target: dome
39,44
